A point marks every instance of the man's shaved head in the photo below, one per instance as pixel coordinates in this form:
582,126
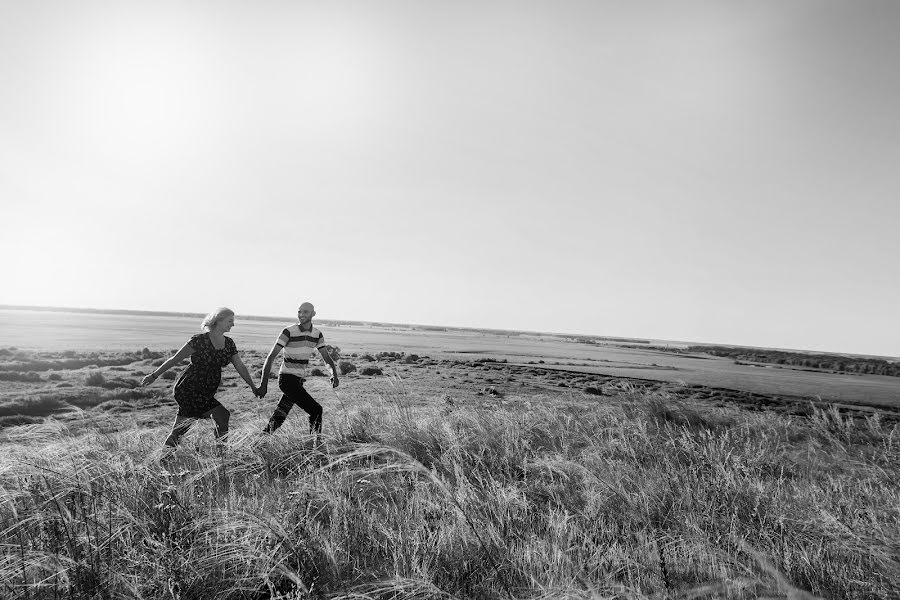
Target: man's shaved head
305,313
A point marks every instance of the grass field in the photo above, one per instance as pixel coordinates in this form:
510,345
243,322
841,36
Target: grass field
442,478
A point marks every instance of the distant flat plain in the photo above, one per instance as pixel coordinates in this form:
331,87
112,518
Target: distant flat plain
60,331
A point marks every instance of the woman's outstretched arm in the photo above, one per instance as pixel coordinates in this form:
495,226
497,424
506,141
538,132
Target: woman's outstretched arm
244,373
182,354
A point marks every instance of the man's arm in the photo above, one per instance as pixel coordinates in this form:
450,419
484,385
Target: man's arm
328,360
267,369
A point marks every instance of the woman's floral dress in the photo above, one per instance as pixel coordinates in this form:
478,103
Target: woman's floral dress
195,390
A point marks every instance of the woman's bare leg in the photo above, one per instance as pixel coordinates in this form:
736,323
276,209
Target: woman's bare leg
179,428
220,416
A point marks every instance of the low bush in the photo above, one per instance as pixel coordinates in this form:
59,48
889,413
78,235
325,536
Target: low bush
48,361
147,353
333,351
370,370
28,377
95,378
316,372
490,391
13,420
345,366
39,406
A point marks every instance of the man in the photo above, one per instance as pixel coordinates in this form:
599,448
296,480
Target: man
297,341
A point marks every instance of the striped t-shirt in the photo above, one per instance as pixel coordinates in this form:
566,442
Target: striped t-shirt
298,346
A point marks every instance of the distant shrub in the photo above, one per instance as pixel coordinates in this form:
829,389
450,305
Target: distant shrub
345,366
370,370
593,391
95,378
489,391
333,351
19,420
663,409
28,377
120,382
115,406
317,372
90,400
38,406
39,363
368,357
411,359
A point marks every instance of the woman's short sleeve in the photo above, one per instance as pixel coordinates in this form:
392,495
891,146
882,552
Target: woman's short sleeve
232,347
194,342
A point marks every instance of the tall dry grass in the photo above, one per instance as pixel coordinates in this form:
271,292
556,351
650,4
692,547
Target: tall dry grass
632,497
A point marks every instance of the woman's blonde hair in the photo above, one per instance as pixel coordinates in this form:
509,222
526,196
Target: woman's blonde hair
213,318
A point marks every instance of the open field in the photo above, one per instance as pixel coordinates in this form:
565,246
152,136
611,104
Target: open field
42,331
439,492
100,389
472,465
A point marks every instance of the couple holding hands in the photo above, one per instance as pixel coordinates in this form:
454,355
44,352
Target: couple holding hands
211,351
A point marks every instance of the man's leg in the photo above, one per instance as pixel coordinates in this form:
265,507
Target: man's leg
288,384
280,414
312,408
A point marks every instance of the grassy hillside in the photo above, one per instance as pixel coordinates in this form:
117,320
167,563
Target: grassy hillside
548,496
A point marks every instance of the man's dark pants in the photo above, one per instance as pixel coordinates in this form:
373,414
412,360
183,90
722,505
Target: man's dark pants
293,393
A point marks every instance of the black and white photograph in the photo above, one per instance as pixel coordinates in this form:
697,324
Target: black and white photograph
450,300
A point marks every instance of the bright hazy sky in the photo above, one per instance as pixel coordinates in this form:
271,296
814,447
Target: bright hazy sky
706,171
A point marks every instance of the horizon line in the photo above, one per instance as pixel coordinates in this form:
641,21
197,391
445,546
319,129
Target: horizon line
637,340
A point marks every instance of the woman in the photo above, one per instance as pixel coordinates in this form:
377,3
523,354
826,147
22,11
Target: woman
196,388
